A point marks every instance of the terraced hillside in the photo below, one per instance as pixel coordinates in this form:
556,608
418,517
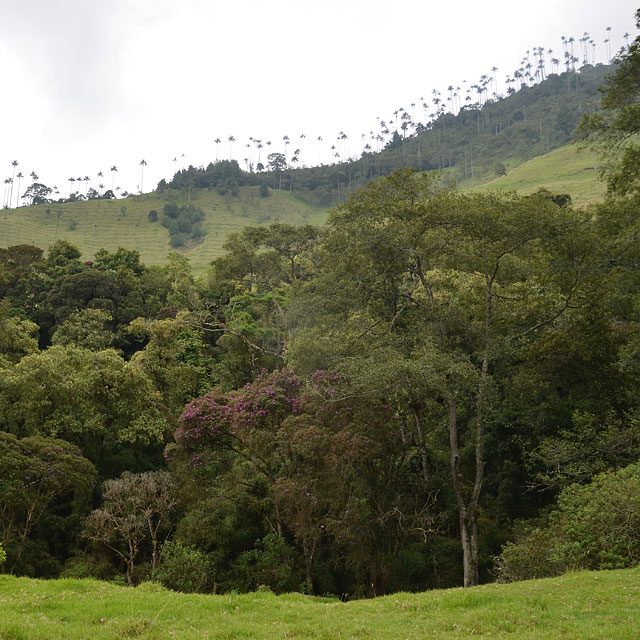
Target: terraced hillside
109,224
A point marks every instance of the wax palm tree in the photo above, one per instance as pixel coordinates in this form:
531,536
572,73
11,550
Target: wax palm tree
19,176
217,141
14,164
71,181
143,164
113,170
231,140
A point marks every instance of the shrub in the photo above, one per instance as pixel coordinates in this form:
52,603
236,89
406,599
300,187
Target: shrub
183,569
3,555
594,526
153,216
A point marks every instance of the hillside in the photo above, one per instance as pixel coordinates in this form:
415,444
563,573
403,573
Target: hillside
582,605
566,170
527,132
109,224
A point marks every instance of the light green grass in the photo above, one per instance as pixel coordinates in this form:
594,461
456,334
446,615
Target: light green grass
565,170
110,224
582,605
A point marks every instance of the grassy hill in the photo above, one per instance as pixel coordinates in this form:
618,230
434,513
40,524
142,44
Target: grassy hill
565,170
109,224
582,605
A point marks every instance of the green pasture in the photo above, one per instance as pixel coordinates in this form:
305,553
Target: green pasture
580,606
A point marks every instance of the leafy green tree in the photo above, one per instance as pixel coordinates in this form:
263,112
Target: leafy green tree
34,472
616,125
464,279
38,193
86,329
96,400
174,360
593,526
17,336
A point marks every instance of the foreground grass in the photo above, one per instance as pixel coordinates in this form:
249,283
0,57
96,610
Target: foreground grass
581,605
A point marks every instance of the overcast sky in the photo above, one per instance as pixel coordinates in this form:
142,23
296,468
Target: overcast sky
89,84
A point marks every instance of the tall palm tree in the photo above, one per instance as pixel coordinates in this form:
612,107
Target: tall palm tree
217,141
143,164
113,170
231,140
19,176
14,164
71,181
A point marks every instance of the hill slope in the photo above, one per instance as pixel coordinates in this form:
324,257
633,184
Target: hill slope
109,224
565,170
582,605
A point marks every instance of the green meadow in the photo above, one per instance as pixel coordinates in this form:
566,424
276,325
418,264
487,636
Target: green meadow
580,605
109,224
566,170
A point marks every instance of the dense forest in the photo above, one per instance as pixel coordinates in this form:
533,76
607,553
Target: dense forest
434,389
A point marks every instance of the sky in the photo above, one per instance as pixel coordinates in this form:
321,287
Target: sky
92,84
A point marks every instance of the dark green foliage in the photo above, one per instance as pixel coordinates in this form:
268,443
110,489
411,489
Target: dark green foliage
183,223
595,526
273,564
183,569
499,169
615,128
225,176
152,216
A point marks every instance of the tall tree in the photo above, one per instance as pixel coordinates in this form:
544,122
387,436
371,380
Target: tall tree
143,164
458,278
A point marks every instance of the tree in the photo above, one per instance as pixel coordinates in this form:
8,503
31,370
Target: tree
35,471
614,128
134,507
16,336
14,164
86,329
458,278
93,399
143,164
38,193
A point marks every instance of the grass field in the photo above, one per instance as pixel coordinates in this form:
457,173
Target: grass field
582,605
109,224
565,170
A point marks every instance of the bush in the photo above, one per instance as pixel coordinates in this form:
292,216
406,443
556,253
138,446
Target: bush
153,216
183,223
594,526
272,564
3,555
183,569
